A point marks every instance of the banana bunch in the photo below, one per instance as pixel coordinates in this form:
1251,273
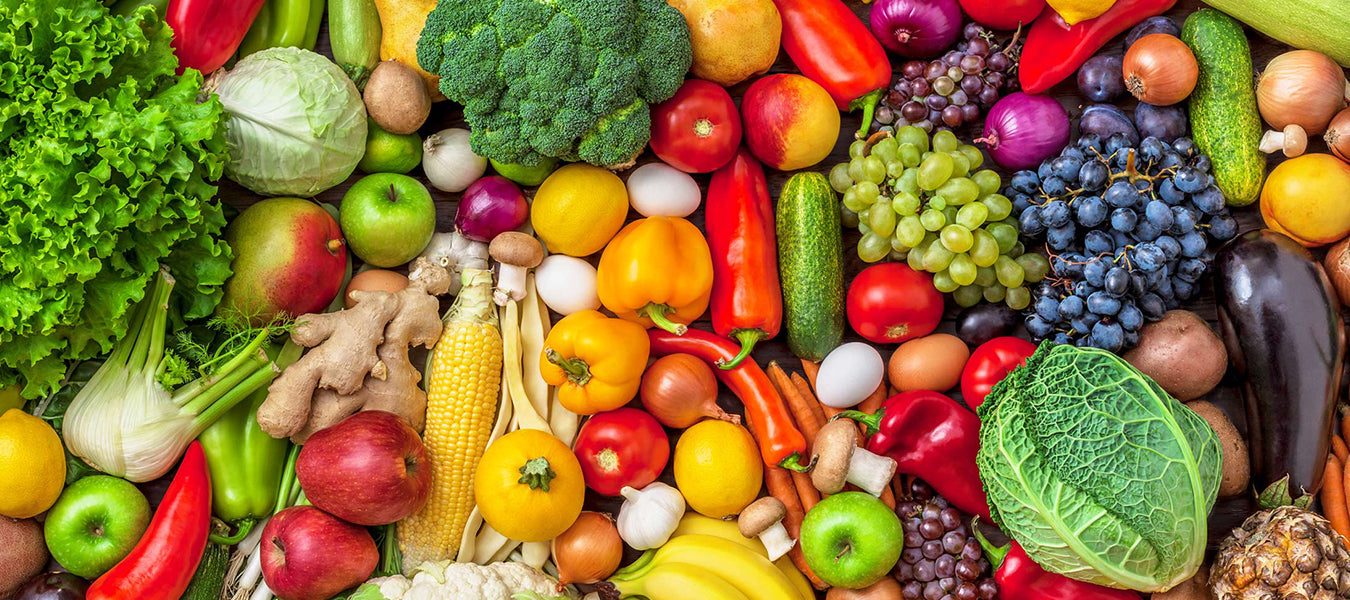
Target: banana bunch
708,559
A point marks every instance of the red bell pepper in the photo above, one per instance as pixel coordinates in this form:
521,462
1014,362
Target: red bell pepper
162,563
747,299
780,442
932,437
832,47
207,32
1055,49
989,364
1020,578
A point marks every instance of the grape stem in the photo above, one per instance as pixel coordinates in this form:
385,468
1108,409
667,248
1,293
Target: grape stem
873,139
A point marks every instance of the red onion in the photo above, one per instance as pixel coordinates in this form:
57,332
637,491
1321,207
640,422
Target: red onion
1021,130
916,28
490,206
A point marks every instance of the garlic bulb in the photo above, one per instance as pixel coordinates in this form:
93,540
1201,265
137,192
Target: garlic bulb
649,515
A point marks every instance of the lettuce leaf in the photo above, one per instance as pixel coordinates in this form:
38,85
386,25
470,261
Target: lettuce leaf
107,164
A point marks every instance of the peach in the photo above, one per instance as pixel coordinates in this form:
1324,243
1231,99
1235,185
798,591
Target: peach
790,122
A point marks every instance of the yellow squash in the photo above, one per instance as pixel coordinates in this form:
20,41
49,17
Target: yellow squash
529,486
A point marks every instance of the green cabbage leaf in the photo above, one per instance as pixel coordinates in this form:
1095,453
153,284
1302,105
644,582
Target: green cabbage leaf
1096,471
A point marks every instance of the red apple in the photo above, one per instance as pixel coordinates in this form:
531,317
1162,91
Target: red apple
308,554
370,469
790,122
289,259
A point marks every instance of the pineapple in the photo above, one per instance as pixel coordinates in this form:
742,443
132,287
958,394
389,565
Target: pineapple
1287,553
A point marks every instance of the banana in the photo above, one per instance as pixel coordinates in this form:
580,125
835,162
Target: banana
696,524
679,581
751,573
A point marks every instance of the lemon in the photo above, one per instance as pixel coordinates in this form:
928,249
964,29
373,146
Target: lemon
578,209
718,468
388,152
32,465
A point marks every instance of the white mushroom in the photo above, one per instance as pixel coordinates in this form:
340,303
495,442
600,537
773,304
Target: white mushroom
1293,141
764,518
839,460
518,253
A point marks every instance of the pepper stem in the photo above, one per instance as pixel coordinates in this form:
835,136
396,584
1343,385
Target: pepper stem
537,474
747,338
995,554
244,525
869,105
577,370
657,313
794,463
872,421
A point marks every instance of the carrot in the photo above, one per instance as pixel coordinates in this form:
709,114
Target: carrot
780,486
830,411
888,496
800,408
1333,497
1339,448
810,368
804,387
1345,421
871,403
806,490
1345,485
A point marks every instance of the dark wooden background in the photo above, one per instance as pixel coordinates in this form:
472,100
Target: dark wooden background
1227,514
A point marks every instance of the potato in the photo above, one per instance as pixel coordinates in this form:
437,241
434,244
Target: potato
396,98
23,554
1195,588
1182,354
1237,468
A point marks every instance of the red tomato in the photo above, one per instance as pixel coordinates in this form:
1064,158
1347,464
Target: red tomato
698,129
624,447
890,302
989,364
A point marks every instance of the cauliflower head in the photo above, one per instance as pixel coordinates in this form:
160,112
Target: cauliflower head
460,581
569,79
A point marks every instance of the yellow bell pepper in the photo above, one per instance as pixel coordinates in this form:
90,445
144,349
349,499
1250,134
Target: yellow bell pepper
1074,11
596,362
657,271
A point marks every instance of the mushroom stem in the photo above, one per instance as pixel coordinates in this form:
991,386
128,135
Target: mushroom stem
870,471
776,541
510,284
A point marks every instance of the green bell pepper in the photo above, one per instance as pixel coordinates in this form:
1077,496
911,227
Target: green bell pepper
284,23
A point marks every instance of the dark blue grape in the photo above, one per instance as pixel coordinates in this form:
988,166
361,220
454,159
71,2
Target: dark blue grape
1083,289
1167,123
1170,160
1066,167
1073,152
1030,221
1164,290
1098,242
1103,304
1087,142
1119,142
1169,193
1071,307
1061,338
1138,285
1047,307
1189,270
1038,327
1091,211
1060,238
1117,281
1090,318
1121,195
1209,200
1131,338
1183,289
1123,220
1146,231
1202,162
1054,185
1043,171
1149,257
1223,228
1169,245
1072,265
1108,336
1184,145
1183,219
1193,244
1094,273
1045,288
1151,149
1130,317
1190,180
1159,214
1020,202
1100,79
1152,306
1082,325
1056,213
1026,182
1093,175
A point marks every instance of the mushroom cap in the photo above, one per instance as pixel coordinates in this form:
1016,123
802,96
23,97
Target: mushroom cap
760,515
1295,140
833,450
517,249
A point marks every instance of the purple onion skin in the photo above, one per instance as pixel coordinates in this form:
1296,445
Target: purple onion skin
492,205
916,28
1021,130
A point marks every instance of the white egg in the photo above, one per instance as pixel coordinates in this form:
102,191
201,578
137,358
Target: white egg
660,190
566,284
849,374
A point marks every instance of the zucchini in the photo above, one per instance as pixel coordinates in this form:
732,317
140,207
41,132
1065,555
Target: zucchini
354,30
208,583
1321,25
1224,120
811,265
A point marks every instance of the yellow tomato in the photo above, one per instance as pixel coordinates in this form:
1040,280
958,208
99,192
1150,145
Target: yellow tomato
529,486
1308,199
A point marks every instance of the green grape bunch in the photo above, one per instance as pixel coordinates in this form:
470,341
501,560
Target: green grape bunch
924,202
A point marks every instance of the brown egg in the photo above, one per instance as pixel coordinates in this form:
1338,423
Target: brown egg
374,279
932,362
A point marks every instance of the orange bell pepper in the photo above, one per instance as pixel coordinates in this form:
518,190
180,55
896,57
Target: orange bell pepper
595,361
657,271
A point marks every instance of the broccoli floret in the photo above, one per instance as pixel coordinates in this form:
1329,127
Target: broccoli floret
568,79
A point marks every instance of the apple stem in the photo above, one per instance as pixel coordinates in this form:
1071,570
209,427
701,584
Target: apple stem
537,473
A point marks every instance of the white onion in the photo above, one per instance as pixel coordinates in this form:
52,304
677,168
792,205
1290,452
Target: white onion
449,162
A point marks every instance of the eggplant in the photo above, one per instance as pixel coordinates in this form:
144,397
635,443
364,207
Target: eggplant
1280,320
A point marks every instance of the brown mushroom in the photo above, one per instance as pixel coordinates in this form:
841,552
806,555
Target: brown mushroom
764,518
1293,141
839,460
518,253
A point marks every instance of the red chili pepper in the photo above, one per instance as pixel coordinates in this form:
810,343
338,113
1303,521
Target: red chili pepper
989,364
934,438
831,46
747,300
207,32
1020,578
1055,49
779,440
162,563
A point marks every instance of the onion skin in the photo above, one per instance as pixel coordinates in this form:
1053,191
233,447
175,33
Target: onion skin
886,588
1160,69
916,28
1338,135
680,390
589,551
1337,264
491,205
1301,87
1022,129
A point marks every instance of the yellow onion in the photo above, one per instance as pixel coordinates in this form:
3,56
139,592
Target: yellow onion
1338,135
1301,87
590,550
1160,69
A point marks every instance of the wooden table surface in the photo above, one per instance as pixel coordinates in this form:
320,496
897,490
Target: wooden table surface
1227,514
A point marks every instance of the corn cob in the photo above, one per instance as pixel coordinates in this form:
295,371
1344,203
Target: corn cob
463,386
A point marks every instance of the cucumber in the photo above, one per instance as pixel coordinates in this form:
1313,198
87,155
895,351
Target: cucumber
1321,25
208,583
1224,120
354,30
811,265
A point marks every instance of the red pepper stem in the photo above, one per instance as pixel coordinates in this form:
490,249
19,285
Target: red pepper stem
869,105
794,463
995,554
244,525
747,338
577,370
872,421
657,313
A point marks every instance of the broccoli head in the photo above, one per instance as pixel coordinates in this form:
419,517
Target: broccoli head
569,79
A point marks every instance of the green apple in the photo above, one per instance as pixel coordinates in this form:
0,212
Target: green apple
526,176
387,219
851,540
95,523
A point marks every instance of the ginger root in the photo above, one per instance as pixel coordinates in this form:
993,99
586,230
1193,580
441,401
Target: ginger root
359,359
